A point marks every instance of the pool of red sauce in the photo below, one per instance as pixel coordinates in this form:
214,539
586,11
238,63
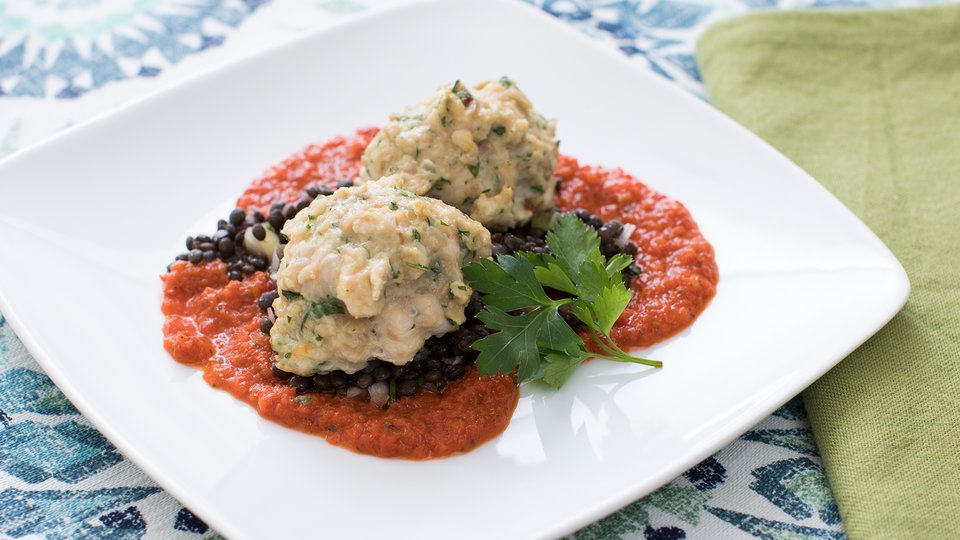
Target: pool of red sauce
214,324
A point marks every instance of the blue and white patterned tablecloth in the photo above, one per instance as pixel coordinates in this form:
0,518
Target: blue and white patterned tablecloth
63,61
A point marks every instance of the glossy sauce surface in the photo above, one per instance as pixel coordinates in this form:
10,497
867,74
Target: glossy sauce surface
214,323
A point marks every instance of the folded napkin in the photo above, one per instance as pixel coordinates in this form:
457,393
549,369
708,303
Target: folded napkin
868,102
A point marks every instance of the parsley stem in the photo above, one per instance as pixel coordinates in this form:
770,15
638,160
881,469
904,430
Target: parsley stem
596,337
634,360
619,356
612,345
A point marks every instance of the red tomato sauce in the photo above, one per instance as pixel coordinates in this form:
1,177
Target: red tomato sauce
214,323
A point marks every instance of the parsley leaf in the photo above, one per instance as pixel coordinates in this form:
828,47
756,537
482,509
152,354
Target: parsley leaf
331,305
593,277
572,242
509,285
548,271
559,368
552,275
514,346
618,263
530,335
557,335
608,306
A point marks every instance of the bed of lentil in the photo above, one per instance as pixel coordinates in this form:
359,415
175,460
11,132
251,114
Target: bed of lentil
213,322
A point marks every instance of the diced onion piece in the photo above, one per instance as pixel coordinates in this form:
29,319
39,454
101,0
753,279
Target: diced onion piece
379,393
625,235
355,391
275,262
266,247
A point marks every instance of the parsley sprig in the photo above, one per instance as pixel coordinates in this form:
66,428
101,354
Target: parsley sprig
531,337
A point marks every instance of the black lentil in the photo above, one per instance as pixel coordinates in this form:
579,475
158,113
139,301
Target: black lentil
407,387
276,220
339,378
226,247
463,340
322,383
302,384
237,216
364,380
610,231
455,372
279,373
266,299
381,373
512,242
474,306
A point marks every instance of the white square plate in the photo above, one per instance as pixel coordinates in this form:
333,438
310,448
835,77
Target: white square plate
90,219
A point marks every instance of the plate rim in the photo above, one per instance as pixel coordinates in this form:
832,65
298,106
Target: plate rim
591,513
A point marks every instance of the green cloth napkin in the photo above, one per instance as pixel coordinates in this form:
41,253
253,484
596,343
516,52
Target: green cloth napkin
868,102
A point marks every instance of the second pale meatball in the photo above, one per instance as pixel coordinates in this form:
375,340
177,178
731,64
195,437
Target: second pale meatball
371,271
483,150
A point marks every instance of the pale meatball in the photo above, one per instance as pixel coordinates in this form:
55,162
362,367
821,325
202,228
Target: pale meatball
484,150
371,271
